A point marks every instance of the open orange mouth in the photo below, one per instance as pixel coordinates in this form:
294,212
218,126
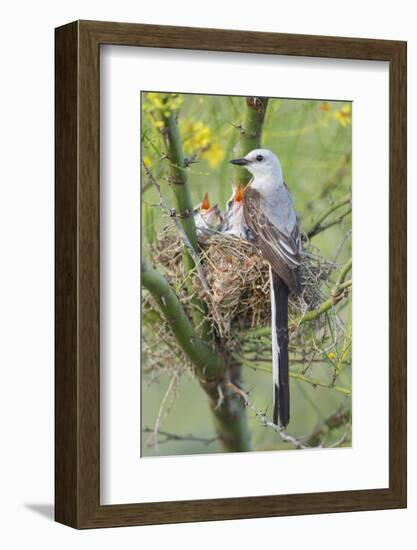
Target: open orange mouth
205,204
239,193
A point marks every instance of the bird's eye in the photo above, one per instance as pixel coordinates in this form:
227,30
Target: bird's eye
259,158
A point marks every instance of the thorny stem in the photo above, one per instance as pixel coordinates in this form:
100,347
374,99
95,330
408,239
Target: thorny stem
285,436
333,421
178,177
228,411
194,255
207,362
179,183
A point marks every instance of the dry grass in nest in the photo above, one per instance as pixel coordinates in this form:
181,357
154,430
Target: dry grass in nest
239,281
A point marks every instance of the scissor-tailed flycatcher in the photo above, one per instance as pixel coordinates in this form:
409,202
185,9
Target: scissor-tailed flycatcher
234,223
270,215
207,219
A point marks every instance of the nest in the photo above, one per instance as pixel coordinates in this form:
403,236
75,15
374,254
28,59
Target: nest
238,279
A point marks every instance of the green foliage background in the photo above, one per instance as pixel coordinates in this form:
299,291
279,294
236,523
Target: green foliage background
313,142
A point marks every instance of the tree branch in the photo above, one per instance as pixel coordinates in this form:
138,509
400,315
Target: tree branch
336,294
318,226
195,257
251,133
228,411
285,436
260,366
211,365
317,383
336,420
343,272
184,207
168,436
331,223
178,176
208,363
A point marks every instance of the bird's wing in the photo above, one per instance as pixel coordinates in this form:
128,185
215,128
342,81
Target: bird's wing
280,248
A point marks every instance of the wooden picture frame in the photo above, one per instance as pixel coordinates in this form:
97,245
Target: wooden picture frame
77,382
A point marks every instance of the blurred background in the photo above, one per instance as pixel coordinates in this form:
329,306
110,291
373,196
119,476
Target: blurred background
313,142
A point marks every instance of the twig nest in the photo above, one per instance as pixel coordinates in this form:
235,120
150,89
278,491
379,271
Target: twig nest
238,279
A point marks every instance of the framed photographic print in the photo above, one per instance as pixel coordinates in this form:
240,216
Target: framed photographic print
230,274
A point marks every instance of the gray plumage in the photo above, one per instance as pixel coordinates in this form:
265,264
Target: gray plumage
274,225
270,215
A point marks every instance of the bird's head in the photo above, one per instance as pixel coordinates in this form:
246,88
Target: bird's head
207,213
260,163
237,197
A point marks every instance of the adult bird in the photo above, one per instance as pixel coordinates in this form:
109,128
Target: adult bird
270,215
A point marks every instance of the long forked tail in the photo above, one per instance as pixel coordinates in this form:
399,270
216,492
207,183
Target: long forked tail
280,371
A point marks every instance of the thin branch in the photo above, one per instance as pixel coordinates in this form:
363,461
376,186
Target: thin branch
343,272
334,421
332,223
318,226
337,293
158,420
341,440
181,231
256,366
341,245
208,363
168,436
317,383
311,315
285,436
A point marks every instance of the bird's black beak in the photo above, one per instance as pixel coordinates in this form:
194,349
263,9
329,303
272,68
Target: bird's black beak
240,162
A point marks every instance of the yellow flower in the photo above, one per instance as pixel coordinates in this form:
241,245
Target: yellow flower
344,115
214,155
198,134
174,102
325,106
147,161
166,103
156,100
198,138
159,124
331,355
